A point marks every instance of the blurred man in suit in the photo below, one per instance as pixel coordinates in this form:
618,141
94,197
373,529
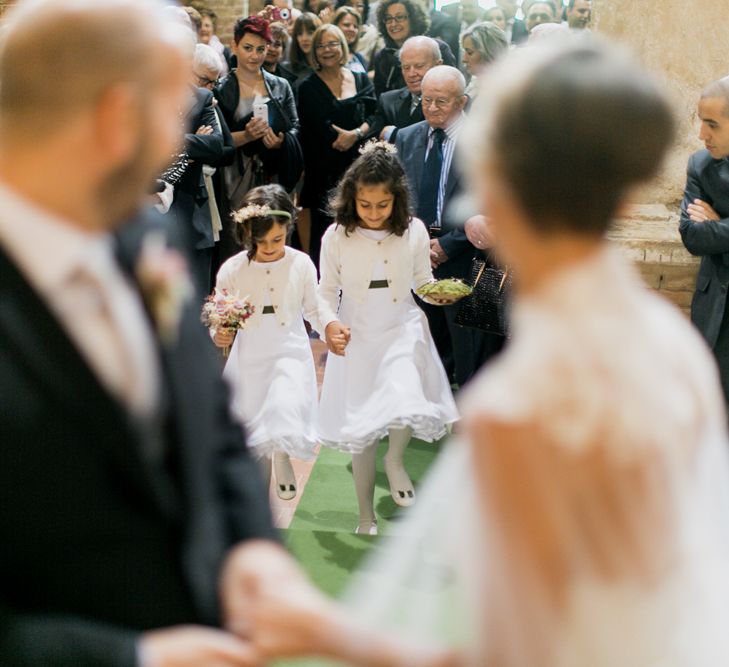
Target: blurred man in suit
465,13
704,223
427,151
204,145
401,108
516,32
126,491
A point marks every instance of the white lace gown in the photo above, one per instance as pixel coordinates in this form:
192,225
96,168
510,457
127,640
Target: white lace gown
391,374
630,490
271,367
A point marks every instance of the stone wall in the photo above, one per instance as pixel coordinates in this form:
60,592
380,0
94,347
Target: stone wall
228,11
648,236
685,44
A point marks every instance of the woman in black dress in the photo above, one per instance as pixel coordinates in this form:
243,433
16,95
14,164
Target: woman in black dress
333,105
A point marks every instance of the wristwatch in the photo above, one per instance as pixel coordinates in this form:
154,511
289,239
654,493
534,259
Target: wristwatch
359,133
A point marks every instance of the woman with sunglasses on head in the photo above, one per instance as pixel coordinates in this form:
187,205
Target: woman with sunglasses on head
334,103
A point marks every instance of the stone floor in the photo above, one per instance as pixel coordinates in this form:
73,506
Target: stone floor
283,510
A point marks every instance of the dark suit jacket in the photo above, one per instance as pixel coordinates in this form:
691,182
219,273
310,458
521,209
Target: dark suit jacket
519,32
100,540
189,205
445,26
411,145
708,180
393,108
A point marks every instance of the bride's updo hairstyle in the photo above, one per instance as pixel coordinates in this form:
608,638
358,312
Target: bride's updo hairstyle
569,128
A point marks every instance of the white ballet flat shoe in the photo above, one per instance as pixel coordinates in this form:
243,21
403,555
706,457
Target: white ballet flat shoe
286,491
366,528
285,477
401,487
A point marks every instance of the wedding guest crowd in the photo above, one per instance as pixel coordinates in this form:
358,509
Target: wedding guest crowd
318,172
307,89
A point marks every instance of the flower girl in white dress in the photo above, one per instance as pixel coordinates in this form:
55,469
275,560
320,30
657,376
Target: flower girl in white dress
384,377
271,367
596,529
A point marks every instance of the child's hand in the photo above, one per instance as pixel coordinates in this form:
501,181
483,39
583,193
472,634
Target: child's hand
224,337
337,336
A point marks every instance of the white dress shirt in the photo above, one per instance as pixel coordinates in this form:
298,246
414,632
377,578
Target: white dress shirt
76,275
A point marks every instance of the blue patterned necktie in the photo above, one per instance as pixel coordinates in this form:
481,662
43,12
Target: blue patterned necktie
430,181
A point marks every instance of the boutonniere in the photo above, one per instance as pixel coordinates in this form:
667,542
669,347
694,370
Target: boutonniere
165,283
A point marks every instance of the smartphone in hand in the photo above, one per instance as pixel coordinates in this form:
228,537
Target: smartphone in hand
260,110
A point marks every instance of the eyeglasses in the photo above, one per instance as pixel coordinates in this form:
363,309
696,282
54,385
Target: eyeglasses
329,45
400,18
440,102
205,82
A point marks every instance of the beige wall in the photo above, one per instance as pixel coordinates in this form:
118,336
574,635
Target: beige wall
684,41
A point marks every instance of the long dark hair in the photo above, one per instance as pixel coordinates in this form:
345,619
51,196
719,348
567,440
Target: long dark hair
419,21
305,22
378,165
247,231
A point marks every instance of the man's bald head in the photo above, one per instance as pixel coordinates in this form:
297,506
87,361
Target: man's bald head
417,56
58,57
445,75
444,96
422,45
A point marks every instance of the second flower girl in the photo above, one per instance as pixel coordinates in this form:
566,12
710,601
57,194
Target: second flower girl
270,367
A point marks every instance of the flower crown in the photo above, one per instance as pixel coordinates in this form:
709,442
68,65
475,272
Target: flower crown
258,211
375,145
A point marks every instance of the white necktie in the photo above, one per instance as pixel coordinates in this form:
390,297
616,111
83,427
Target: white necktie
113,335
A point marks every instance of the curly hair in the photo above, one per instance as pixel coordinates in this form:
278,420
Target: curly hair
274,197
254,25
376,166
419,21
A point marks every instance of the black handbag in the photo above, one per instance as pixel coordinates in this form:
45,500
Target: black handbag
486,307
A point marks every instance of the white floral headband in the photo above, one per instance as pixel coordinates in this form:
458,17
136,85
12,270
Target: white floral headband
375,145
258,211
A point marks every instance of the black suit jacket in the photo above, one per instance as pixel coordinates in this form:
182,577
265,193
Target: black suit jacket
99,540
411,144
445,26
393,108
519,32
188,207
708,180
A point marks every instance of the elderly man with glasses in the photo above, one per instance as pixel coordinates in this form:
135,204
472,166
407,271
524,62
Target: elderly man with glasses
427,151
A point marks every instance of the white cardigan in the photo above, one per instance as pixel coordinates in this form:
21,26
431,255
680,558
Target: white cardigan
290,282
347,262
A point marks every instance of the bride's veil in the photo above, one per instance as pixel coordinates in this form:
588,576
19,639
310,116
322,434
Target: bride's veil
415,581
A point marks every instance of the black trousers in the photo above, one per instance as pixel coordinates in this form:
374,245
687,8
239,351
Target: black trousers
461,350
721,353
